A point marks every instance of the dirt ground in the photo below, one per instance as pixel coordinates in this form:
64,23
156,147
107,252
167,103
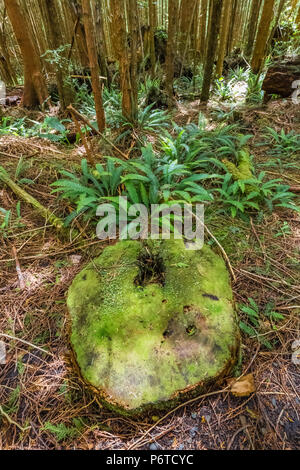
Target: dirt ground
44,404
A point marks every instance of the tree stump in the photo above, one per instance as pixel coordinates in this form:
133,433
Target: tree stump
152,326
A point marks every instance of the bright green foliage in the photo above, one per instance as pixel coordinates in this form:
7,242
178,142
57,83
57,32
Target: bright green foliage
270,194
255,93
282,144
51,128
254,318
149,121
147,181
87,190
223,89
62,432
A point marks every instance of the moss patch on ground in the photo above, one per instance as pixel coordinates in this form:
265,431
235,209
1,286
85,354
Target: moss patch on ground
146,346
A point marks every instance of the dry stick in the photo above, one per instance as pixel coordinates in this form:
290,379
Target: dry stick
258,239
223,251
193,400
3,335
218,243
236,433
73,38
18,269
55,221
11,421
80,117
84,140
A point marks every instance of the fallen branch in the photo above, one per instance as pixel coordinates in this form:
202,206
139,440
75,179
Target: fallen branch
18,269
82,118
11,421
43,211
14,338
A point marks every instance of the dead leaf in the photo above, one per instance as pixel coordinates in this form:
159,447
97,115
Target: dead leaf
244,386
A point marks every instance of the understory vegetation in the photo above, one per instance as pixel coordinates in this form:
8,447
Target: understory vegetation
159,119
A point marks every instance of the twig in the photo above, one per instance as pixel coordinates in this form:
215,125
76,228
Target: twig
80,117
217,242
3,335
223,251
257,238
11,421
236,433
84,139
18,269
193,400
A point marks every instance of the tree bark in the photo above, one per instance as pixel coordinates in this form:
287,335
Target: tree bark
152,33
93,59
55,40
35,90
120,44
171,50
211,49
227,6
262,36
254,15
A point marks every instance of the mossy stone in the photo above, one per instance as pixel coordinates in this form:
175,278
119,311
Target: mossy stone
150,346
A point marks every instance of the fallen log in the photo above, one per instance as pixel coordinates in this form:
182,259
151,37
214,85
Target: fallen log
280,79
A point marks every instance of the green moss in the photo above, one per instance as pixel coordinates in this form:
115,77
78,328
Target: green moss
243,169
142,346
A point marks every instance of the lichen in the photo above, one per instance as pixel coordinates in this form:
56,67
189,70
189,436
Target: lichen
143,346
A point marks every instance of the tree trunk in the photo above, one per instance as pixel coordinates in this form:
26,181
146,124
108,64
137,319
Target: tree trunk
55,39
134,34
120,44
171,50
227,7
262,36
93,59
211,49
254,15
152,32
35,90
230,44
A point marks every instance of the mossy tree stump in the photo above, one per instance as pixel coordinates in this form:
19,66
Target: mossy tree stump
152,326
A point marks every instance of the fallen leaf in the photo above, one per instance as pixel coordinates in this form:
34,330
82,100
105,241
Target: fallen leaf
244,386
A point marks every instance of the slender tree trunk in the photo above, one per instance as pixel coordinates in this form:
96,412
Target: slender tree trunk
6,66
102,42
171,50
230,43
211,49
298,19
75,29
55,39
93,59
276,22
134,33
203,28
35,90
119,40
254,15
262,36
152,33
227,7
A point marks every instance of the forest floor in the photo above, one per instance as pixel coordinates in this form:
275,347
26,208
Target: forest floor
44,405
